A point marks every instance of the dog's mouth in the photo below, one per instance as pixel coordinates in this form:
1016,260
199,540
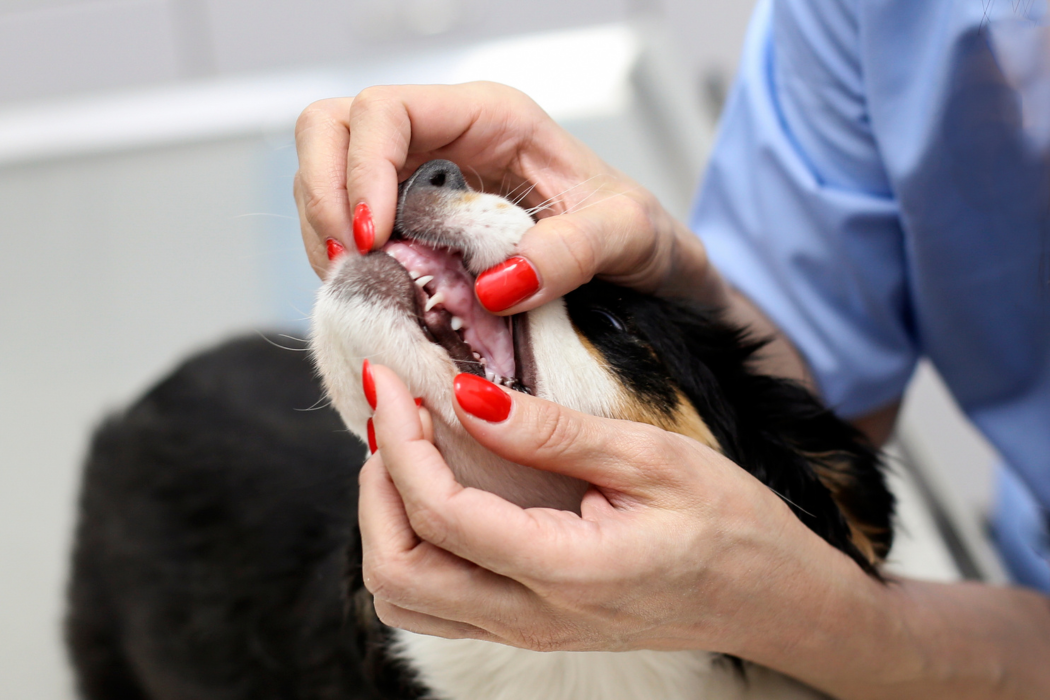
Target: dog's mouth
478,342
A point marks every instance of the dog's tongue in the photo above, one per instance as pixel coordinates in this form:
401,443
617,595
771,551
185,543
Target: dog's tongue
487,334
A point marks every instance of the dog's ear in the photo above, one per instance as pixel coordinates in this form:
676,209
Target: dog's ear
822,467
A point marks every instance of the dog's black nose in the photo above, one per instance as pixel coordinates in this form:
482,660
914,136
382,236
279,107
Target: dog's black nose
436,174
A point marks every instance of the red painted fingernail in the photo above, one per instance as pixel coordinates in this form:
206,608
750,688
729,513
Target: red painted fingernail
335,248
372,437
364,229
419,402
480,397
368,382
512,281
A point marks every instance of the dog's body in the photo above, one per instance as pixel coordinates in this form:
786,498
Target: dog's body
217,555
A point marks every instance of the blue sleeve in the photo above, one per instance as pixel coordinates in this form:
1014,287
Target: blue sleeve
796,209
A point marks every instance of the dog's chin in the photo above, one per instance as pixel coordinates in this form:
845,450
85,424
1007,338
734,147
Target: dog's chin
371,308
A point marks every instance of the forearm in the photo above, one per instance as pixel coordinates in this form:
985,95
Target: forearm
862,640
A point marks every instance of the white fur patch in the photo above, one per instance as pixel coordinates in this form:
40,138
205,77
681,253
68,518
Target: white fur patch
467,669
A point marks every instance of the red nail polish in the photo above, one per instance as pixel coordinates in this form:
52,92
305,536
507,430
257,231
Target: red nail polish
368,383
480,397
335,248
512,281
372,437
364,228
419,402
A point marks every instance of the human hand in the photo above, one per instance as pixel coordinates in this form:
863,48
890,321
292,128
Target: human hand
595,221
675,547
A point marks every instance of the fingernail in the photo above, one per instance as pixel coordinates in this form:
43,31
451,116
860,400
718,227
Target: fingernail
368,382
364,229
419,402
512,281
372,437
335,248
480,397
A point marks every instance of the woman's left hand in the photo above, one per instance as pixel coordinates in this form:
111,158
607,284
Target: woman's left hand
675,547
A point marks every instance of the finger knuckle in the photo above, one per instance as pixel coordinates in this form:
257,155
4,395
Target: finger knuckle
318,204
636,212
389,615
372,100
315,113
429,525
582,245
385,579
555,430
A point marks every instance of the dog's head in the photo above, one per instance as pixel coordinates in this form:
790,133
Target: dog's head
601,349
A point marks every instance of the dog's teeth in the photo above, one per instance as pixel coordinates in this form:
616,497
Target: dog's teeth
490,375
413,274
477,356
432,301
457,323
422,281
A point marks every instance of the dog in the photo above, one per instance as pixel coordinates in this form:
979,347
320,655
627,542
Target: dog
217,554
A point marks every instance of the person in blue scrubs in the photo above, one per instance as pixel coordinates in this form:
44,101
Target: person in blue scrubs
879,191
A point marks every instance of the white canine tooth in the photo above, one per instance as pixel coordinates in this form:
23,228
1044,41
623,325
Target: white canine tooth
477,356
433,301
422,281
456,323
490,375
413,274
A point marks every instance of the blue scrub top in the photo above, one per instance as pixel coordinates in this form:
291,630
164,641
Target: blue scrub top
880,187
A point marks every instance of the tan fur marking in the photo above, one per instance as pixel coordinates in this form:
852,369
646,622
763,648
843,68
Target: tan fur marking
683,420
837,480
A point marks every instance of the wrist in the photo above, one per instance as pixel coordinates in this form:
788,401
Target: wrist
834,627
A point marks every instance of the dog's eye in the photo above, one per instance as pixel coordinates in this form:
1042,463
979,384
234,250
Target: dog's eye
615,323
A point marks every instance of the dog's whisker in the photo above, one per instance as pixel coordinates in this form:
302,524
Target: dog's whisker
318,406
481,181
278,345
570,189
790,502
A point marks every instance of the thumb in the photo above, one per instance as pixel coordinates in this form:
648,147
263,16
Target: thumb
612,234
611,454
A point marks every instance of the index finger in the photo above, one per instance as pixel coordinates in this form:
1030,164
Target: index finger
632,459
480,126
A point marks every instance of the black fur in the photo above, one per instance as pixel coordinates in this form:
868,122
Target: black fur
217,535
217,554
771,427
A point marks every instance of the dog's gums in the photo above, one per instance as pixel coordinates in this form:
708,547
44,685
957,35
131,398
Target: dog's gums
478,341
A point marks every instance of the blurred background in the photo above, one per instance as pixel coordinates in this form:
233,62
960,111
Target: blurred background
146,163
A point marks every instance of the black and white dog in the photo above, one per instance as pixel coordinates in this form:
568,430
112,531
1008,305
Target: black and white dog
217,553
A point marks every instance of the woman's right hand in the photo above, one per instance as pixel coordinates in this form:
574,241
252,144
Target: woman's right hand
594,221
